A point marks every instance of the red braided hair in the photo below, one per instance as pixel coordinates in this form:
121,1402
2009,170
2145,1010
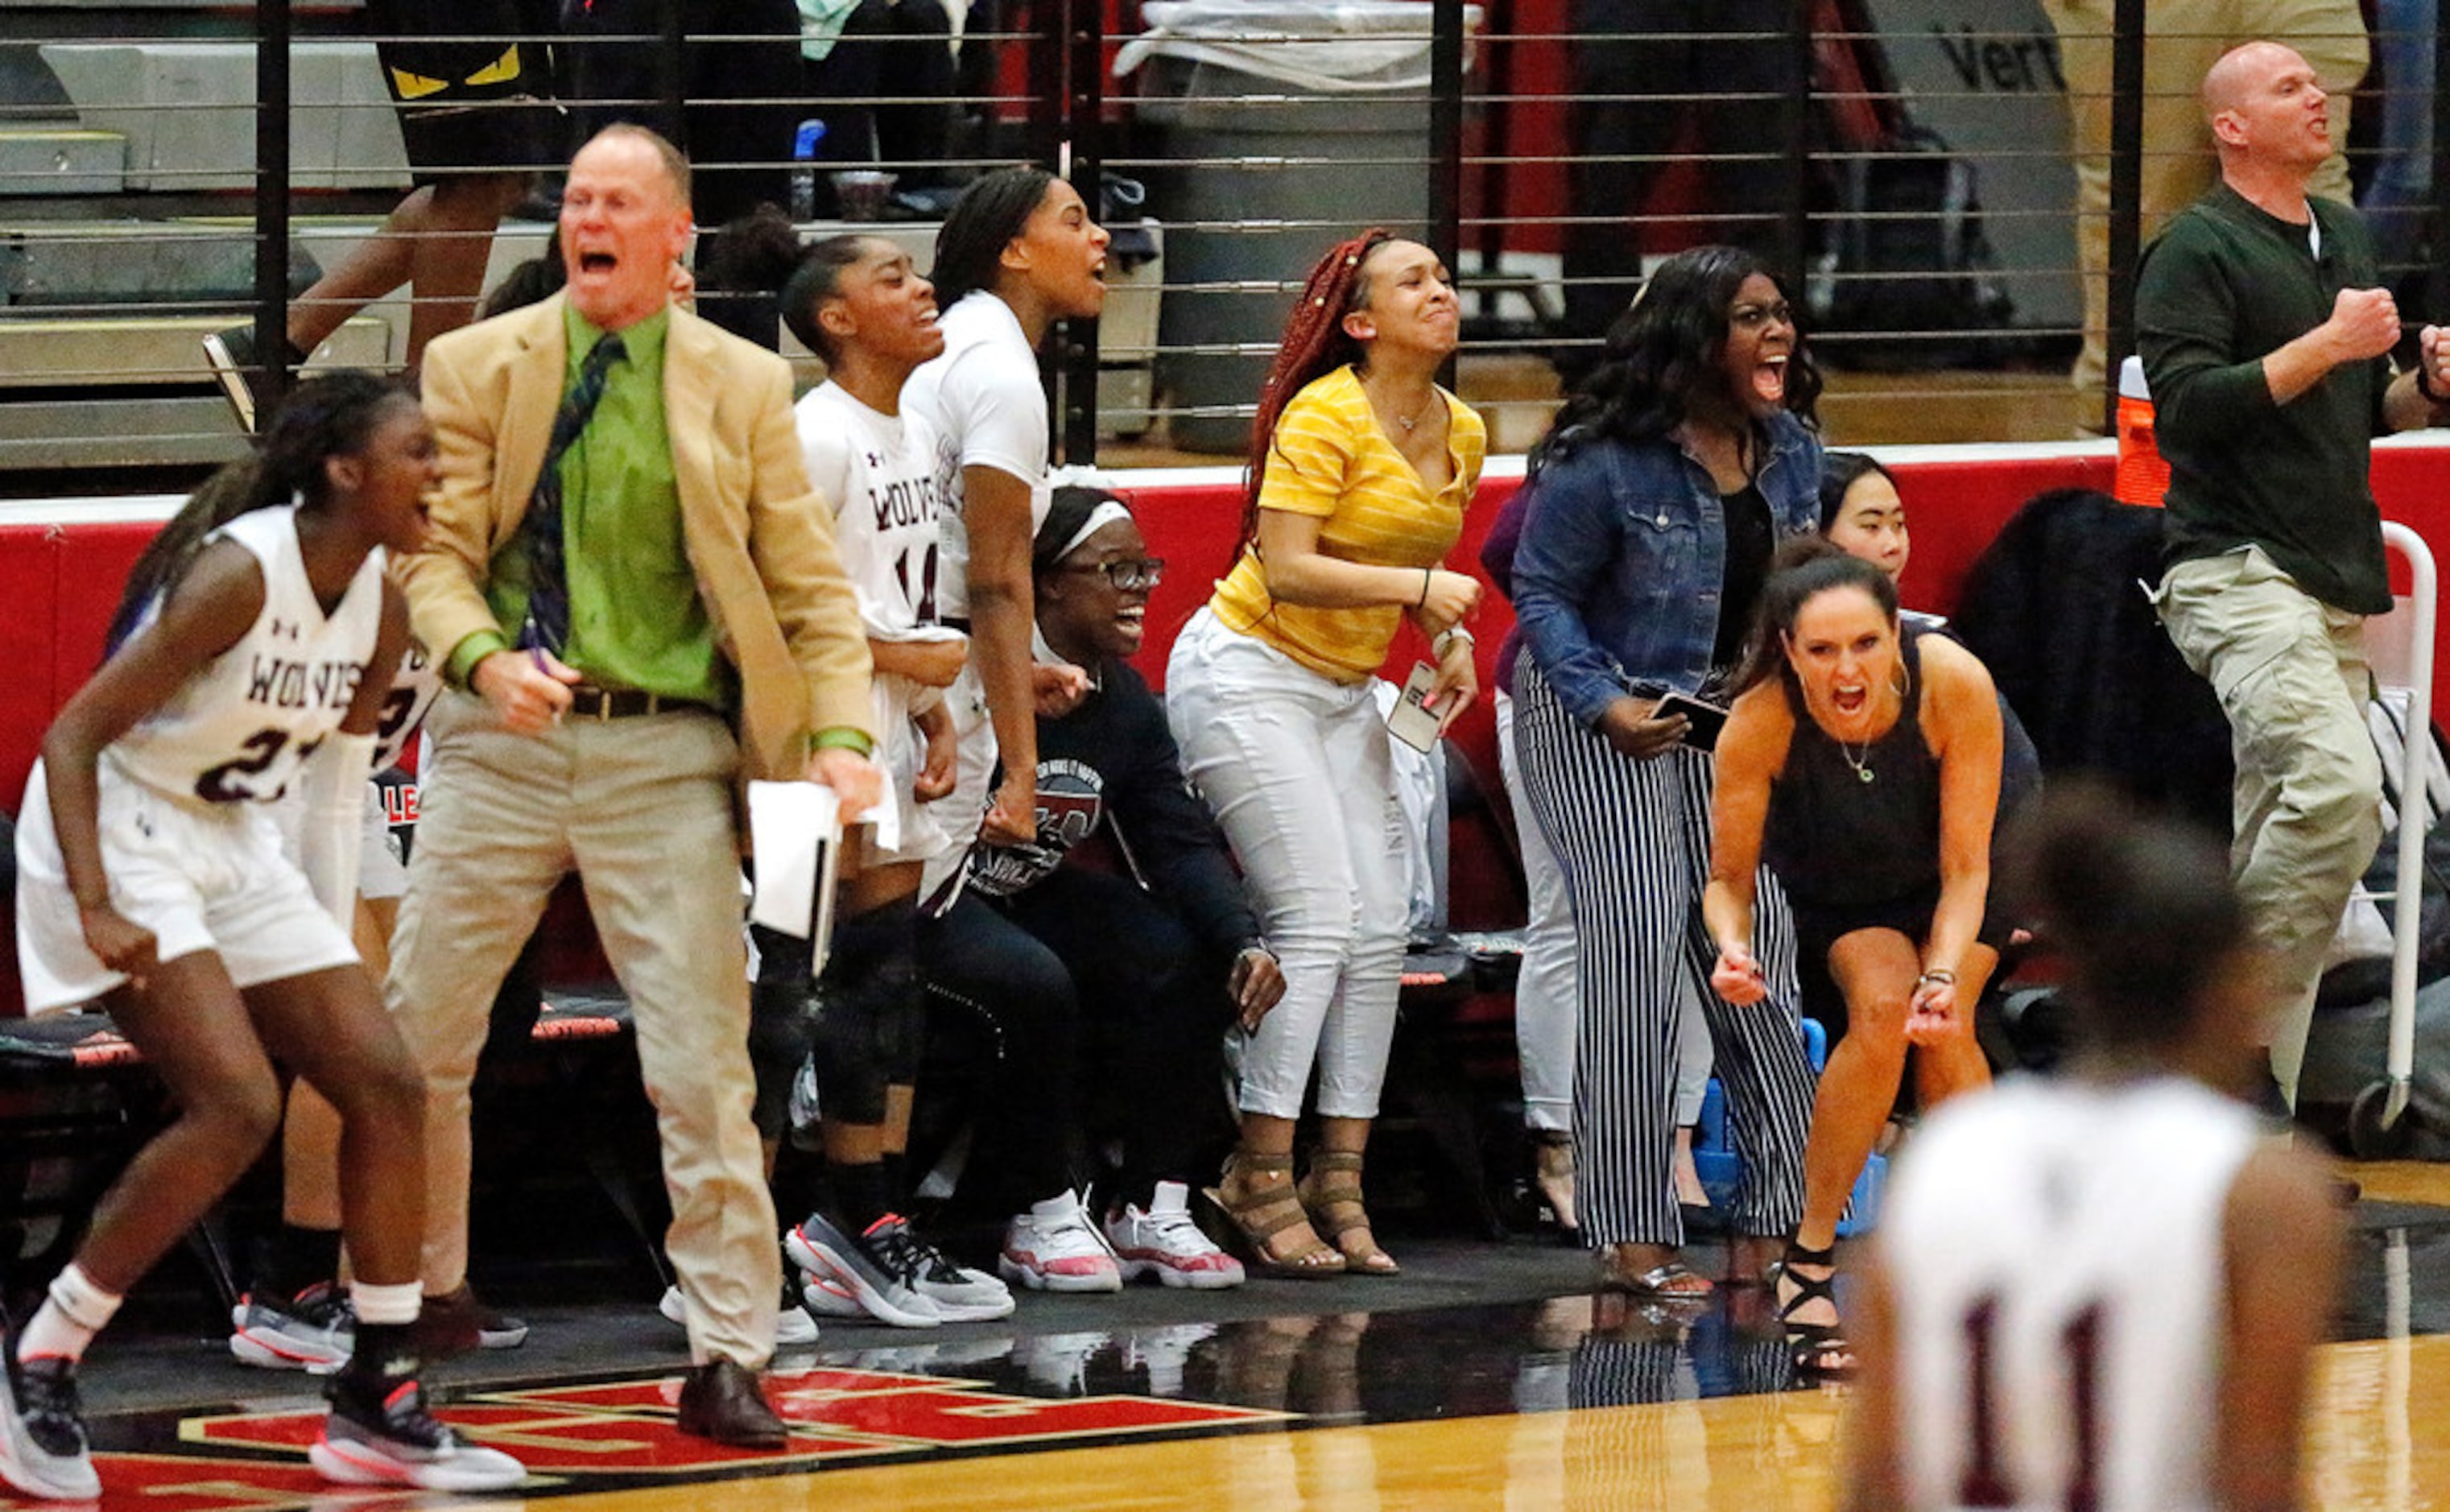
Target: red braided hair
1314,343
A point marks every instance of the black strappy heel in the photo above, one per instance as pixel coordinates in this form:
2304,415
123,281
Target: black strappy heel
1810,1345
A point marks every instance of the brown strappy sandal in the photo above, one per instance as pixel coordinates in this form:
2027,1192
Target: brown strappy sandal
1332,1192
1269,1207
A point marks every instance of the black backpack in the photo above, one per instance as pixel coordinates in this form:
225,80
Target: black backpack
1906,273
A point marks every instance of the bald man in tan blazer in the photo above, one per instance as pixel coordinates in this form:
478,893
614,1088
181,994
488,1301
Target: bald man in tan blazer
704,633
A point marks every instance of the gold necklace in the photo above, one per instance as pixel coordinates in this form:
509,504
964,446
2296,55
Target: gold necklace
1861,764
1406,421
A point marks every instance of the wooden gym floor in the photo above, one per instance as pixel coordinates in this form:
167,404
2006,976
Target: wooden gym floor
1489,1377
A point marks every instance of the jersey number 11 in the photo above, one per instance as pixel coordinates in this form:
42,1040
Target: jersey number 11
1985,1483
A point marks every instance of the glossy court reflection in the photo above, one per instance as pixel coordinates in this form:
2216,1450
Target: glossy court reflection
1567,1402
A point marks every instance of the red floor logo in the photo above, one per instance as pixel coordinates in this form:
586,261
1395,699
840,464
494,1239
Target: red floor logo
575,1438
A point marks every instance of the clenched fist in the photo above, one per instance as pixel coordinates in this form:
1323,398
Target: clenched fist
2363,324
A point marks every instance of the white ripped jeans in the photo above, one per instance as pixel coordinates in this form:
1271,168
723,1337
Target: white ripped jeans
1294,766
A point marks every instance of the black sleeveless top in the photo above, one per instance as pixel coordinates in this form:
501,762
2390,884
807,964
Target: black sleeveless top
1837,840
1751,537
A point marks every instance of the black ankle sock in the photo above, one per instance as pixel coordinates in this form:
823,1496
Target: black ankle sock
384,1350
897,1181
862,1195
1137,1188
295,1258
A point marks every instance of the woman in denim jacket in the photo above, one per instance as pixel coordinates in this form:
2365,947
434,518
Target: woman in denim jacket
1669,476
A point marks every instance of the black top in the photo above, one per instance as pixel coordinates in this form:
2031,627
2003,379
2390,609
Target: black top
1750,540
1836,840
1113,760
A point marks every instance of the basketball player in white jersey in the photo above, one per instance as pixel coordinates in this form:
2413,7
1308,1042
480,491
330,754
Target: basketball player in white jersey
2100,1291
1019,252
152,879
858,302
295,1315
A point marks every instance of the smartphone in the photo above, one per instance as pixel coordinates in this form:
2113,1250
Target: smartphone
1409,720
1702,721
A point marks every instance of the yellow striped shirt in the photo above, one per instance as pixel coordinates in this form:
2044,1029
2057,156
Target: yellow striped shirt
1331,460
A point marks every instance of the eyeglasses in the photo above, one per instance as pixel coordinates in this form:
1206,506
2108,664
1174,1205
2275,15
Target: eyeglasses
1753,317
1128,576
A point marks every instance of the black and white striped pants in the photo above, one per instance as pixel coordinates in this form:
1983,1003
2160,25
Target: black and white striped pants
1634,839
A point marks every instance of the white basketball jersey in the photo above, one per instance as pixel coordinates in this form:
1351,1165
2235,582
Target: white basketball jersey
879,473
986,404
2055,1250
414,688
241,726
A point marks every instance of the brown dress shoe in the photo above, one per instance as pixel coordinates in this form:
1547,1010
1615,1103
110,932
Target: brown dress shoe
721,1400
457,1322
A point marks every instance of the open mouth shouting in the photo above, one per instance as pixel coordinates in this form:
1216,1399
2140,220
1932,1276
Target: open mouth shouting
1769,379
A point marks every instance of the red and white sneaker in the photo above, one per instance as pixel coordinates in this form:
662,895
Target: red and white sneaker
378,1433
1055,1247
1164,1242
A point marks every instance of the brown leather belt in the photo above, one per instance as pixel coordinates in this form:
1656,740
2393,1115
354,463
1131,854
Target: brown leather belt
625,703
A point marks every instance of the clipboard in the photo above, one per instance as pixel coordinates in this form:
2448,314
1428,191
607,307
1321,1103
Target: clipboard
795,832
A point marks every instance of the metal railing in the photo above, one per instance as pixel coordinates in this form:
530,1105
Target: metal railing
1907,166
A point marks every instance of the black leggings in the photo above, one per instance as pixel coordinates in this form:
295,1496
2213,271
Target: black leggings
863,1028
1154,1014
1085,952
984,975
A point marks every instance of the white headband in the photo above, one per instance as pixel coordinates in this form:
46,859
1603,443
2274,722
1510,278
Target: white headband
1104,515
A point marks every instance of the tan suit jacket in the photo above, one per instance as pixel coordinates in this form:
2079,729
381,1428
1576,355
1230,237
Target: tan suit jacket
759,537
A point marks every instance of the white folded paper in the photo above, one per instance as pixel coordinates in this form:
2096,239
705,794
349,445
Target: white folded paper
795,834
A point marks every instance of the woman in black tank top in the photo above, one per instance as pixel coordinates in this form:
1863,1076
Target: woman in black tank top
1865,765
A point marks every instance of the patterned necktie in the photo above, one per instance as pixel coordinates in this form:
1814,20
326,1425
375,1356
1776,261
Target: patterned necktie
547,622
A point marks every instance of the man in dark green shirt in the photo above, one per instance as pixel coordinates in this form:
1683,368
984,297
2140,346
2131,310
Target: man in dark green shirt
2265,341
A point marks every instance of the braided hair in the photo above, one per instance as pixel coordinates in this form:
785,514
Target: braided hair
817,279
1314,343
969,246
331,416
1664,352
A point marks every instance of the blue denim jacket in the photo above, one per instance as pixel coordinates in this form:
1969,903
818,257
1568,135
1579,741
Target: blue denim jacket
1617,581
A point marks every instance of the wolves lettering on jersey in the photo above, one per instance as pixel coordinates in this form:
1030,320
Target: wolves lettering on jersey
879,472
1071,801
284,684
239,729
904,501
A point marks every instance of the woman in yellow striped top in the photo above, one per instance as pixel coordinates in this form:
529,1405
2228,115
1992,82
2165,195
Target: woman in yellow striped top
1361,466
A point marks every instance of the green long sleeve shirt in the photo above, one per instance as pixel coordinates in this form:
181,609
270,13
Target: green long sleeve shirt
2224,284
